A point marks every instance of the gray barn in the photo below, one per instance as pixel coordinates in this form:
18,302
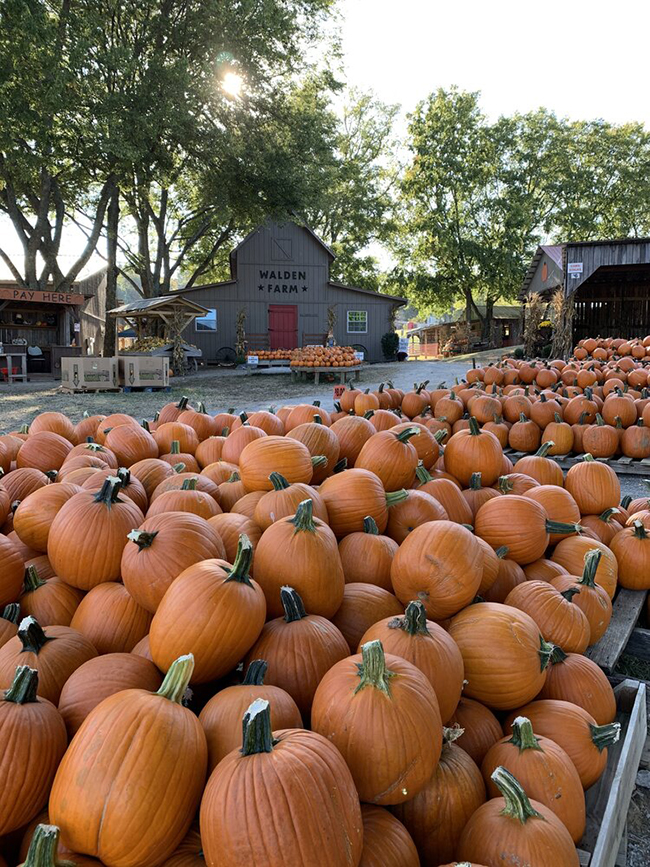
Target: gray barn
280,279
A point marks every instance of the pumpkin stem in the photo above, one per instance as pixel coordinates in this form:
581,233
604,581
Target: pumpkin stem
43,850
544,449
605,736
414,621
201,408
423,475
182,403
175,448
517,804
372,668
474,429
51,474
31,635
563,527
557,418
588,457
505,485
12,613
177,679
178,468
92,446
475,482
557,655
502,552
370,526
640,531
225,431
545,651
607,514
109,491
234,477
319,461
523,736
189,484
241,566
304,517
256,729
395,497
317,419
627,499
592,559
24,687
523,418
340,466
405,435
32,581
600,421
279,482
156,416
255,673
294,608
569,593
145,425
124,476
451,734
369,414
142,538
441,435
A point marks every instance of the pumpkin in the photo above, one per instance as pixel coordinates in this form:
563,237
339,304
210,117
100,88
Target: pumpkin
171,411
559,620
51,602
175,457
142,649
306,413
271,454
600,440
268,421
491,565
509,576
353,495
449,408
209,451
237,441
34,515
436,816
635,441
480,728
221,716
386,842
319,440
305,548
111,813
519,523
424,442
55,654
418,508
162,548
166,433
476,494
541,468
132,443
391,457
93,450
543,570
560,436
20,483
214,610
9,622
448,495
593,600
363,605
130,487
12,569
352,433
299,648
89,533
575,730
150,473
247,504
575,678
101,677
219,472
280,767
473,450
631,547
367,557
570,554
190,851
441,564
504,655
230,527
515,483
185,499
593,485
111,618
559,506
370,699
203,424
284,499
43,451
527,830
57,423
231,490
428,647
32,743
524,435
225,420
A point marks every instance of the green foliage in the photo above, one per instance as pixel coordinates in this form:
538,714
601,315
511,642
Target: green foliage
390,345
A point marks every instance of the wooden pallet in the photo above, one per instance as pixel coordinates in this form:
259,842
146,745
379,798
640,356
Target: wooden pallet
623,635
113,389
620,464
343,373
605,840
127,389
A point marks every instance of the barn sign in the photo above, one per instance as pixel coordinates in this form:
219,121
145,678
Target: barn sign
296,285
38,297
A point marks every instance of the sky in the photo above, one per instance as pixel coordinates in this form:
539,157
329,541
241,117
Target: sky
580,58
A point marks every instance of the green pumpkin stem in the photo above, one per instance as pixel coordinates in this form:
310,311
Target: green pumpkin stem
505,485
189,484
317,419
109,491
178,468
234,477
304,517
32,581
319,461
606,516
395,497
592,559
627,499
545,651
201,408
24,686
241,567
588,457
225,431
605,736
475,482
124,476
569,593
279,482
563,527
414,621
182,403
474,429
517,804
31,635
175,448
340,466
142,538
522,735
51,474
557,655
255,673
145,425
294,608
502,552
640,531
441,435
405,435
544,449
523,418
11,613
243,417
423,475
370,526
372,668
177,679
43,849
600,421
257,736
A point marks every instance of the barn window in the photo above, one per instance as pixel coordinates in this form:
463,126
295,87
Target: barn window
506,331
357,321
207,322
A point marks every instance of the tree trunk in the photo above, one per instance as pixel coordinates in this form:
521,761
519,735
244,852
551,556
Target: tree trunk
488,330
111,272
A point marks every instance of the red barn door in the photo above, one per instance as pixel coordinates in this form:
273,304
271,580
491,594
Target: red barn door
283,326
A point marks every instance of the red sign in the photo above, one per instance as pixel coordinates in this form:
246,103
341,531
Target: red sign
338,391
38,297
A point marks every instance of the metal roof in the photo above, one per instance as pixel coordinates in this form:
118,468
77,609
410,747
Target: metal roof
153,304
553,251
396,298
608,242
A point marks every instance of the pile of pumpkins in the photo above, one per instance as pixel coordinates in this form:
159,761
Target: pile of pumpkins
604,348
271,354
324,356
299,638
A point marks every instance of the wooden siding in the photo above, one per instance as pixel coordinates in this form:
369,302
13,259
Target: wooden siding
594,256
553,276
93,313
285,264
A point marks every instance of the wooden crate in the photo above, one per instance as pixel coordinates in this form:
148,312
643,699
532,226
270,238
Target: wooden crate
88,373
605,841
149,371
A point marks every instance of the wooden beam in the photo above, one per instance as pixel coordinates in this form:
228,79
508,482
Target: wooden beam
626,611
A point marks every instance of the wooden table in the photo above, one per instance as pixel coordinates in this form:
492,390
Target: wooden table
343,373
23,365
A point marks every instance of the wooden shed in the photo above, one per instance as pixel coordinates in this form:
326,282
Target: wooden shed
609,282
449,334
280,281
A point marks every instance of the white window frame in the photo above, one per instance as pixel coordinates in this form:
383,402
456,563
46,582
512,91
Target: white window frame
207,330
356,330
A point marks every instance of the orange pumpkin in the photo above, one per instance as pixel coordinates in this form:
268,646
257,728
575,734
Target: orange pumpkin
474,450
367,557
479,726
274,454
34,515
575,678
363,605
386,842
631,547
353,495
111,618
570,554
593,485
391,457
592,599
51,602
559,620
284,499
540,467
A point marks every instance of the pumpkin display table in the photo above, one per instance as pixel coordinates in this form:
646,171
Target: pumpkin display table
345,374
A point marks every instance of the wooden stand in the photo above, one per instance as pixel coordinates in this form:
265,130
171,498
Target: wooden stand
344,374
